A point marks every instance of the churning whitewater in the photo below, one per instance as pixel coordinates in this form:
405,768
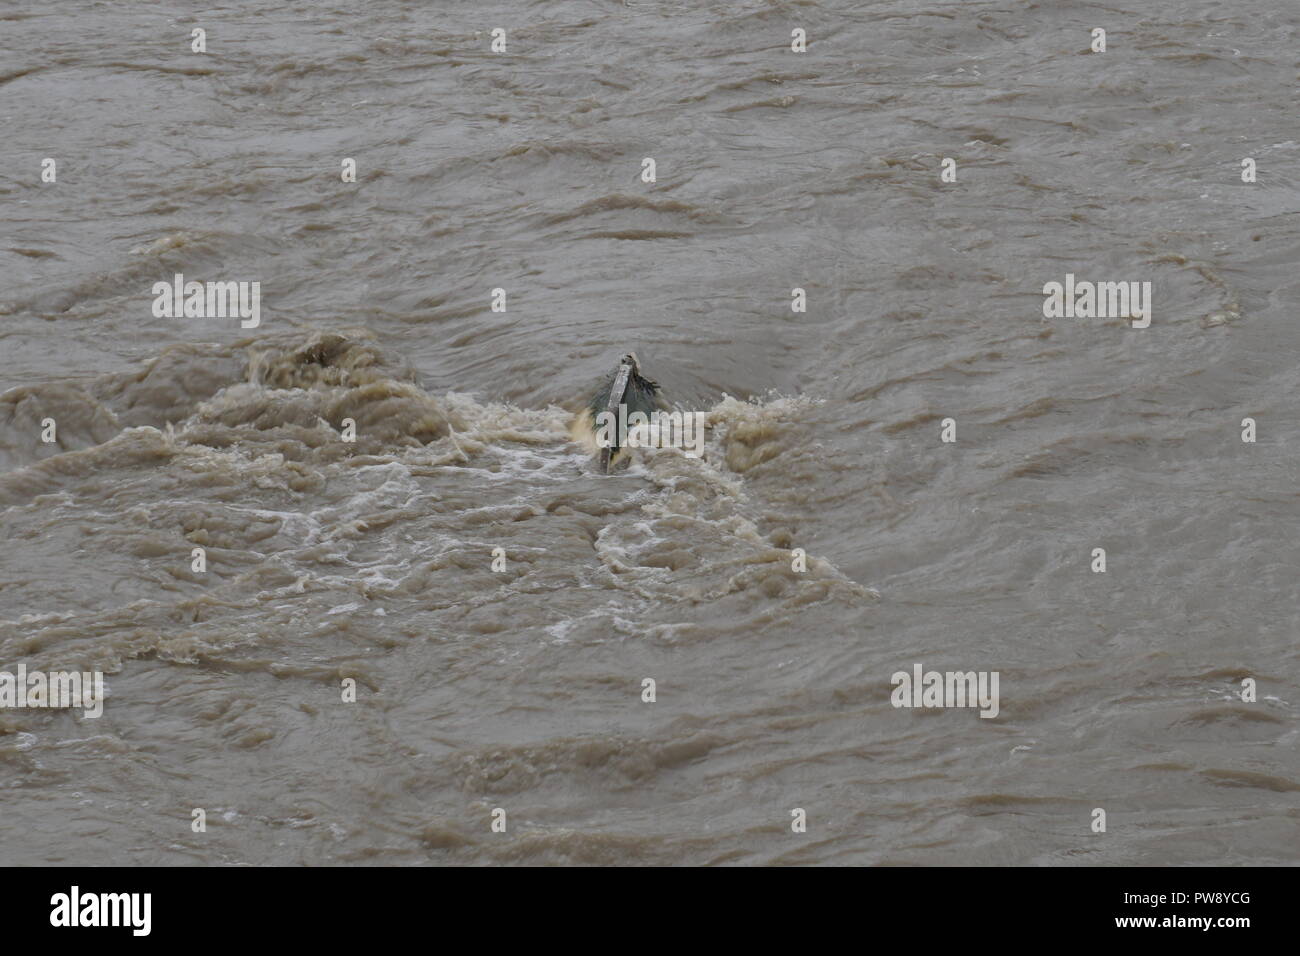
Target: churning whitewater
993,512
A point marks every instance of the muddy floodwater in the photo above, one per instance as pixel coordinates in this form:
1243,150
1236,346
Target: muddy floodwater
924,469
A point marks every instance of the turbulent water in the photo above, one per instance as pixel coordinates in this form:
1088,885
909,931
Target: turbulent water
521,689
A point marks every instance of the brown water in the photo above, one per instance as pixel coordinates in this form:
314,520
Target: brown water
521,689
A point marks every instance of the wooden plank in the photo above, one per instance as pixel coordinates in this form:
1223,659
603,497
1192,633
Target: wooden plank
615,400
